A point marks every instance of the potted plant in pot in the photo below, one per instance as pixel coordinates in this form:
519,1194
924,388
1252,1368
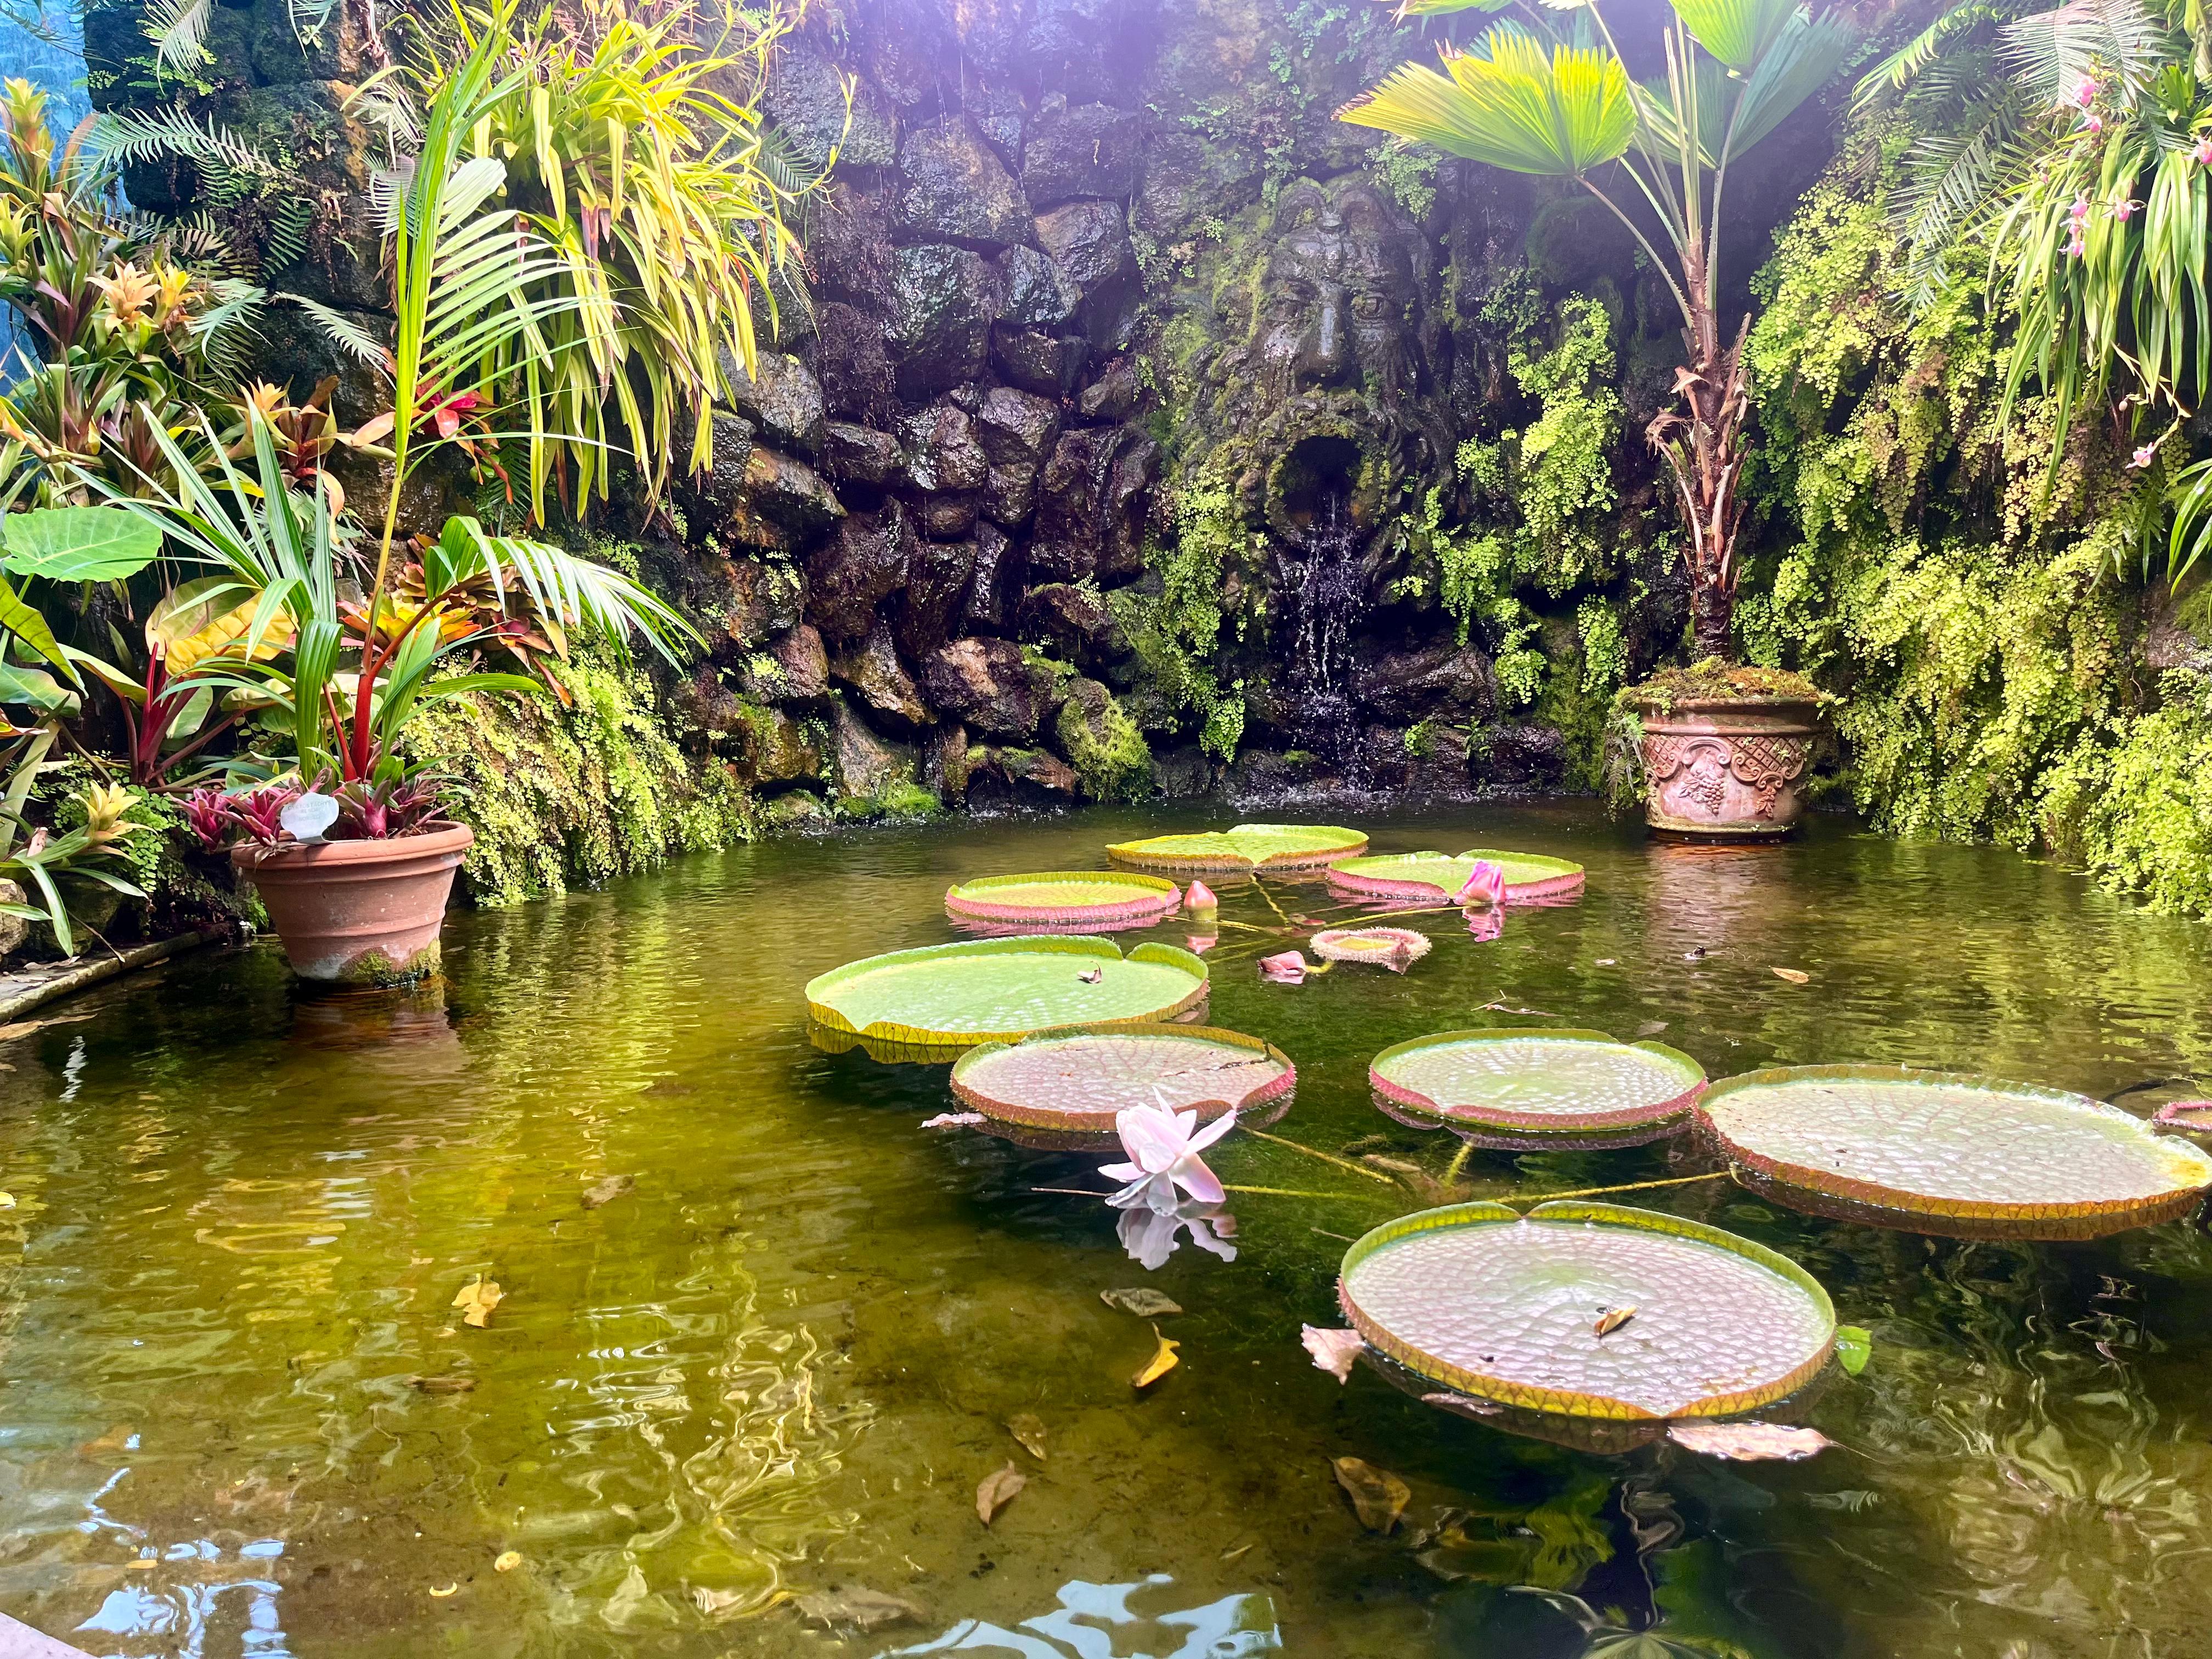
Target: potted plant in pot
1723,753
348,844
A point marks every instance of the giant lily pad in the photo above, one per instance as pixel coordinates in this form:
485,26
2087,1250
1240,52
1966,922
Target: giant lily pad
999,990
1562,1084
1069,899
1264,848
1587,1309
1395,948
1078,1080
1935,1152
1433,877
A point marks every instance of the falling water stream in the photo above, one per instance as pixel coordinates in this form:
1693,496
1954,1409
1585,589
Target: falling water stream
732,1406
1323,571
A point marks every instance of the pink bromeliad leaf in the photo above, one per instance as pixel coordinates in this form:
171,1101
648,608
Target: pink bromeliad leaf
1333,1351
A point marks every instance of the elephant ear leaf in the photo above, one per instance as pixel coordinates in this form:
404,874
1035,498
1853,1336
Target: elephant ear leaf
79,543
20,618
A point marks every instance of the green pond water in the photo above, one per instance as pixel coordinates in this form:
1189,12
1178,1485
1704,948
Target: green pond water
779,1365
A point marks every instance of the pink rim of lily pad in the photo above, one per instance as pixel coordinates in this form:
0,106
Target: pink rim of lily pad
1080,1078
1434,878
1943,1151
1247,849
1065,899
1395,948
1563,1084
1595,1311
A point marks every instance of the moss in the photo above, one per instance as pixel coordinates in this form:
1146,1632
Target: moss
561,796
1174,620
1714,679
900,801
1116,766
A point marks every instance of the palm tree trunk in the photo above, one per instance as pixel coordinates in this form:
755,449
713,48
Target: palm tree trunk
1705,447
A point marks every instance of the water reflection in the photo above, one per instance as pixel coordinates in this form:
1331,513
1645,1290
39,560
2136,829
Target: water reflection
1095,1621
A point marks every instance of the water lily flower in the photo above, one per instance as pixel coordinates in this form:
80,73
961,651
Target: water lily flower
1484,886
1289,968
1333,1351
2143,456
1163,1148
1199,899
2203,153
1150,1238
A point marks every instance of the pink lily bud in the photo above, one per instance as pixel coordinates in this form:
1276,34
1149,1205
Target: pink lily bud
1484,886
1199,899
1287,968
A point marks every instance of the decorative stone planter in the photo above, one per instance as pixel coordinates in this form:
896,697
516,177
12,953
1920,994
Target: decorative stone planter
1726,768
359,912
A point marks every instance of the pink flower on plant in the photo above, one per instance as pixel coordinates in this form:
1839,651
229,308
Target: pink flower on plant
2084,93
2075,247
1484,886
1287,967
2079,213
2202,153
2145,453
209,814
2093,122
2125,210
1163,1148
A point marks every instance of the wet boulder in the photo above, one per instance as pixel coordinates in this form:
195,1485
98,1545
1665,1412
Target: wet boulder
781,399
985,682
1520,756
946,763
1047,364
757,496
854,455
943,448
746,601
1038,293
954,188
769,746
1080,149
868,766
1074,619
872,671
1016,431
794,669
1089,240
857,568
929,607
805,98
941,306
1000,777
857,381
995,583
1113,396
1090,505
1441,677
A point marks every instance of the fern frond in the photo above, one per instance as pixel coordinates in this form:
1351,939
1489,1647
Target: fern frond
178,29
154,134
349,336
1898,71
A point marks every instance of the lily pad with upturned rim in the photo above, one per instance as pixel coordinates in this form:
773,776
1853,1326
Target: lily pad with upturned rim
1000,990
1250,848
1504,1307
1065,898
1436,878
1538,1082
1078,1080
1395,948
1959,1152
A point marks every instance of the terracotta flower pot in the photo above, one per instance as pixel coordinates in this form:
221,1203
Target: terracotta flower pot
1726,768
360,912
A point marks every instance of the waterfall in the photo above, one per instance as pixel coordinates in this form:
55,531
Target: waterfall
1328,591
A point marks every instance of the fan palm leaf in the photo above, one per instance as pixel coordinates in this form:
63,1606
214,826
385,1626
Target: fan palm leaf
1510,105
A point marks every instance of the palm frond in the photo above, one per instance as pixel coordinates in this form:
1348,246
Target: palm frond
344,331
1509,104
2052,51
153,135
1909,61
1739,32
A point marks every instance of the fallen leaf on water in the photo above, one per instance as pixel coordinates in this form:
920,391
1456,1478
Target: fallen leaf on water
1163,1361
450,1589
1140,1300
1651,1027
1091,976
442,1384
141,1563
7,1201
1612,1320
507,1562
478,1299
1608,962
1285,967
1378,1496
952,1120
24,1028
1333,1351
1794,976
1854,1347
1029,1429
607,1191
1748,1442
116,1441
998,1490
864,1610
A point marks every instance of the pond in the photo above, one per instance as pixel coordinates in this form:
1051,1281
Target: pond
242,1415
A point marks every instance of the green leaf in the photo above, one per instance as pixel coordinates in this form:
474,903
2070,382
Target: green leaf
1854,1347
20,618
36,689
79,543
1509,105
1737,32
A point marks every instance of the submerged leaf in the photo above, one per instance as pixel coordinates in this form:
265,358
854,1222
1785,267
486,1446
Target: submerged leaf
507,1562
1140,1300
999,1490
1749,1443
1029,1429
478,1299
442,1384
1378,1497
601,1193
1163,1361
1333,1351
1854,1347
1794,976
954,1121
859,1608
